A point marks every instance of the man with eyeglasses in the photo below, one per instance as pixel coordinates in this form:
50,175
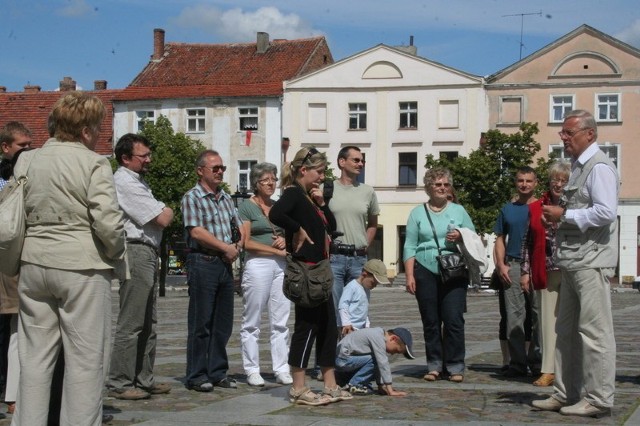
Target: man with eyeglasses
587,256
520,311
355,207
209,218
134,346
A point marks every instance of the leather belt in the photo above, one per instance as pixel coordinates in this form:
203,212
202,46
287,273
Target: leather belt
143,243
348,251
512,259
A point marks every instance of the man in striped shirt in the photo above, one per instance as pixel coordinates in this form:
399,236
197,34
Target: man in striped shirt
209,218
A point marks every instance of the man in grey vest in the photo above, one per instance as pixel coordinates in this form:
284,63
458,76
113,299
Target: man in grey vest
587,255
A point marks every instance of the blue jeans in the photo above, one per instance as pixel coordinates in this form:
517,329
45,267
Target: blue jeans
345,269
210,318
363,368
442,312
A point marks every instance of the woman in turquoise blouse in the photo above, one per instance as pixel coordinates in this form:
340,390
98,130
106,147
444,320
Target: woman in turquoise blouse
441,305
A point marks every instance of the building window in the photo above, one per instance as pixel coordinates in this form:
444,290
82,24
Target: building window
449,155
248,118
143,117
357,116
407,168
449,114
560,105
244,169
360,177
612,151
195,120
607,107
511,110
317,114
408,115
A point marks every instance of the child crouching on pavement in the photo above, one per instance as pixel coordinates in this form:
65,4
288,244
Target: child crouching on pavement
353,306
363,353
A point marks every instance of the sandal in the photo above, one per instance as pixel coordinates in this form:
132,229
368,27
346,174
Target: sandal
306,396
337,394
432,376
456,378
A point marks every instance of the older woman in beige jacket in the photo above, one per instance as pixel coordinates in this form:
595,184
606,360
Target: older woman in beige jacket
74,241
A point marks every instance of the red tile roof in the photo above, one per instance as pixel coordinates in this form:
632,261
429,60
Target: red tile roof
32,109
197,70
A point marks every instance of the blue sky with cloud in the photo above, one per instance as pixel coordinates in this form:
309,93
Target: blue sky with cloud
43,41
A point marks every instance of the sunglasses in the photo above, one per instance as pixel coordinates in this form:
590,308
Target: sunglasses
216,169
310,153
440,184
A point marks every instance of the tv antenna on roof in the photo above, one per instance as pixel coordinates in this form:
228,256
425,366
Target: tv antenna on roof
522,15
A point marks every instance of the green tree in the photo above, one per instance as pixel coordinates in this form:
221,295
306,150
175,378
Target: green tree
483,181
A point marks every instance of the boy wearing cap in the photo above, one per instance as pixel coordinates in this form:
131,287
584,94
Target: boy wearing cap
353,306
363,353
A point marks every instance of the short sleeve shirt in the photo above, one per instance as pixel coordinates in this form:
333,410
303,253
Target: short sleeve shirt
512,222
211,212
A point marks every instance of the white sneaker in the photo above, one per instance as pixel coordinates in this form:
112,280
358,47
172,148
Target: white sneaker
255,379
284,378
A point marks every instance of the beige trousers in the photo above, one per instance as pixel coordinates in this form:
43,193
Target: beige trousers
586,347
547,300
69,308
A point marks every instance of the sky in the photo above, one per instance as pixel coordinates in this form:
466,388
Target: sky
43,41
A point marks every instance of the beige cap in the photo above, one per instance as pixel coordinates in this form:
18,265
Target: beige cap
379,271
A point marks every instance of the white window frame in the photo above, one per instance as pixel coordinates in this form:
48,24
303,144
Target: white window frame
143,115
556,103
358,112
197,117
608,105
613,151
248,118
244,172
408,110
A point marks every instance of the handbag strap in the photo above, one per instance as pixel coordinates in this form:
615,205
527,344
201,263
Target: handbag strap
433,228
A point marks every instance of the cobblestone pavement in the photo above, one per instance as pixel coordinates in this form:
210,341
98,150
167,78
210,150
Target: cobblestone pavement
484,397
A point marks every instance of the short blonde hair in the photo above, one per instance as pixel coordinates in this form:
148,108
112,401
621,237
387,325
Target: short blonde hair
434,174
73,112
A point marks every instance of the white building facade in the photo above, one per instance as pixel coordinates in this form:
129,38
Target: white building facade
397,108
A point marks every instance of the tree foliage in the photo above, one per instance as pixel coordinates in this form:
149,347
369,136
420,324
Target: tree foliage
172,172
483,181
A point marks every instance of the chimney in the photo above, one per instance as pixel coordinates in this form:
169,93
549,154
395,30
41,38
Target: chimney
100,85
31,89
3,89
67,84
158,44
410,40
263,42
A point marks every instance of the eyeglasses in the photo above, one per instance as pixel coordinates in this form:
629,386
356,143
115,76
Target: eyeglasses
570,133
144,157
358,160
216,169
267,181
441,184
310,153
561,182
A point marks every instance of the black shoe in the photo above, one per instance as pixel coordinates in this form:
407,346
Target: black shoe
106,418
226,383
201,387
512,372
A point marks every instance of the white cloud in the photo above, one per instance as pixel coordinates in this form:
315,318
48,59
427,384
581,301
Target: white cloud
631,34
239,25
75,8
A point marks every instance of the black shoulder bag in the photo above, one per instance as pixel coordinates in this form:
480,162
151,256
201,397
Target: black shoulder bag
452,266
